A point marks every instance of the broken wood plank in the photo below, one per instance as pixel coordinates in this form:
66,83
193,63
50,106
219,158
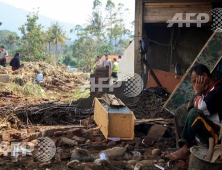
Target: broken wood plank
112,100
141,121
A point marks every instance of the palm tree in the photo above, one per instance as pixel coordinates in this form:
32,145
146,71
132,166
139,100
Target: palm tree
11,39
58,36
48,38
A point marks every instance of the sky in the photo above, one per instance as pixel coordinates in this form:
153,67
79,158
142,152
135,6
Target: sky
70,11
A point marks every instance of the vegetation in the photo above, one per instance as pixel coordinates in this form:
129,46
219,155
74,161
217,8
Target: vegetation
105,33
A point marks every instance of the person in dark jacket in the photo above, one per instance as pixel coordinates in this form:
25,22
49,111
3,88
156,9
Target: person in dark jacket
15,62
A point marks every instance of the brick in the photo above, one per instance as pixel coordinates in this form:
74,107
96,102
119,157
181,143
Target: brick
33,136
111,143
15,135
44,132
58,133
137,145
6,136
4,78
79,139
64,155
31,130
96,138
73,132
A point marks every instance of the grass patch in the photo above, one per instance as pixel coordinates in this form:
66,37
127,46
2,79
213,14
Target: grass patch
79,94
15,88
33,90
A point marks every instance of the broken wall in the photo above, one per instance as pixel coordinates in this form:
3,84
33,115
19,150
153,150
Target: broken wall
168,46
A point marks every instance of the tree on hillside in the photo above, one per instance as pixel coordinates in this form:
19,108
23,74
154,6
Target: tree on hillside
32,41
58,36
49,38
11,39
4,34
110,6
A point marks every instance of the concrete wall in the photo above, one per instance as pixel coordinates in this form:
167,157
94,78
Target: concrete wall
126,64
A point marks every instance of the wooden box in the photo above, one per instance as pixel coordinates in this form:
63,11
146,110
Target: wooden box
114,122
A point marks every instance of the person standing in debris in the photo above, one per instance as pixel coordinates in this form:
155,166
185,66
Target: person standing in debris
119,58
115,68
4,54
39,77
107,62
201,119
15,62
98,62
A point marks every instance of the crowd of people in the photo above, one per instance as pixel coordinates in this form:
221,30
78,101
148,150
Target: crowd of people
15,62
113,65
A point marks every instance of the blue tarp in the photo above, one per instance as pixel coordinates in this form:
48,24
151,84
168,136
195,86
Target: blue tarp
72,69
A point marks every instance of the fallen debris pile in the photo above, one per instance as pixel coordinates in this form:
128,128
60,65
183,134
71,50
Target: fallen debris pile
53,75
46,113
150,103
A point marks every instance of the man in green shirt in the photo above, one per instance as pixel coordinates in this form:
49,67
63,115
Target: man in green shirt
115,68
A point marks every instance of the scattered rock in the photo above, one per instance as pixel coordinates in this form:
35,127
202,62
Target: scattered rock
67,141
137,157
162,161
131,164
79,139
73,164
58,133
45,165
74,132
156,152
82,155
116,153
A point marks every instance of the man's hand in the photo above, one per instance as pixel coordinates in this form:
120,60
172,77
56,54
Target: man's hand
200,85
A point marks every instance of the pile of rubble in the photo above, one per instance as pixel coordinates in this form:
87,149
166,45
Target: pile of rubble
80,145
150,102
53,75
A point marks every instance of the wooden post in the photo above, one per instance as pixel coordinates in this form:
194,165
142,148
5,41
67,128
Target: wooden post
138,36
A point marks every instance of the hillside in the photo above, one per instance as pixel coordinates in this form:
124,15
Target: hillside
12,18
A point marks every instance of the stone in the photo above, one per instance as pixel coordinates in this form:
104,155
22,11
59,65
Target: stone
156,152
111,143
4,78
96,138
82,155
65,155
79,139
45,165
73,164
114,153
137,157
67,141
156,132
33,136
73,132
86,122
5,136
16,135
83,131
162,161
132,163
58,133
